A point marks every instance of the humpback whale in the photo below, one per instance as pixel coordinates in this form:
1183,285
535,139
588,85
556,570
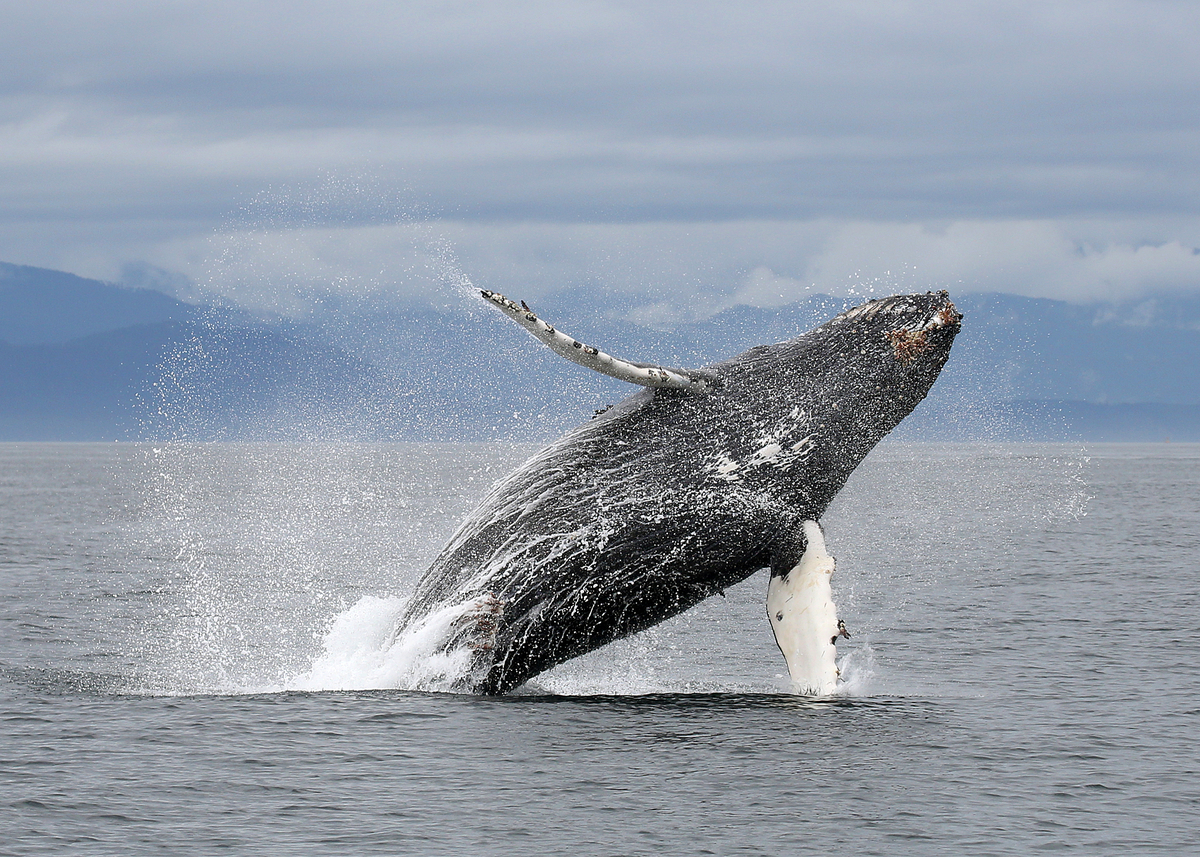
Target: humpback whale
686,487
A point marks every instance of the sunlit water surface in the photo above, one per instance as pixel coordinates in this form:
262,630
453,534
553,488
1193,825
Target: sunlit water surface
191,661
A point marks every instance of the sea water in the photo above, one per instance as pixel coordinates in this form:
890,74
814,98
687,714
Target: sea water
194,659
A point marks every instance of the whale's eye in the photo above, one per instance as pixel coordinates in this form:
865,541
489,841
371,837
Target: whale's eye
779,616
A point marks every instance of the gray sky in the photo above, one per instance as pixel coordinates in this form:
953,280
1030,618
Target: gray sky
688,153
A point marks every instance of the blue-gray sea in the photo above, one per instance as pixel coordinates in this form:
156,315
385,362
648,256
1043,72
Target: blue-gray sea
191,662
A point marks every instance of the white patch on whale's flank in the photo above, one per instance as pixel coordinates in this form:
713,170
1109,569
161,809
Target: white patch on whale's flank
780,448
769,452
726,468
804,619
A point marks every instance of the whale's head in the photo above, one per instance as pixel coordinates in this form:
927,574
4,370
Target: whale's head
886,353
820,402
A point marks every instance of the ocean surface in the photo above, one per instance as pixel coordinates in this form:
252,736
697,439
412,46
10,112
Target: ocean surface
193,661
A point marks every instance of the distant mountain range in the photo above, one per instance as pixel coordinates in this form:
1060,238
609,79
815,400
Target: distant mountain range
86,360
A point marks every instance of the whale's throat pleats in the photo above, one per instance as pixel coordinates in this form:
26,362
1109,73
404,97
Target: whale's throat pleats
804,619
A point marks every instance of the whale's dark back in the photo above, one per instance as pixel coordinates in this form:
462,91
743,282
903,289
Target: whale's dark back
670,496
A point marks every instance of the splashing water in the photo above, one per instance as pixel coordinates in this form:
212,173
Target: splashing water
361,651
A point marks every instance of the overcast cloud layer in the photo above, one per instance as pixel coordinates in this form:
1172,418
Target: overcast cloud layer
678,151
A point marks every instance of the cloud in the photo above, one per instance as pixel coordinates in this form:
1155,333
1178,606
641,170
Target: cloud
132,130
659,272
762,287
1032,258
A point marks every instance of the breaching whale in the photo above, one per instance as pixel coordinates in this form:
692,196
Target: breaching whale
677,492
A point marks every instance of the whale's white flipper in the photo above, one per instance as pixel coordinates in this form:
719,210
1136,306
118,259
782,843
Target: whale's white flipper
644,374
800,607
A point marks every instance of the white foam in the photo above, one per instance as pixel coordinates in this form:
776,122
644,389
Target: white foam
359,652
857,672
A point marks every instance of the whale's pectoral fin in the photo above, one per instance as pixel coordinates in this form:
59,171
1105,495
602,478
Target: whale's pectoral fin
645,374
803,617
